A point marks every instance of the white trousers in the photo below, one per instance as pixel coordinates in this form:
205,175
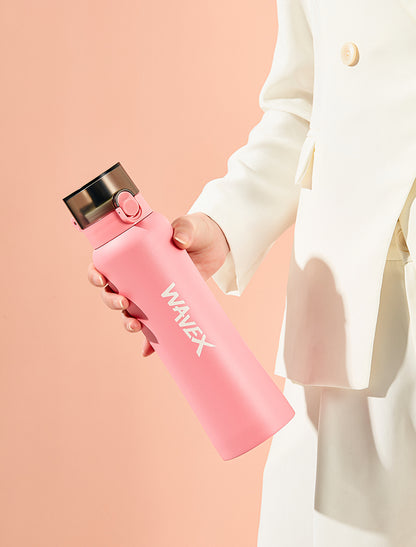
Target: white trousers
343,471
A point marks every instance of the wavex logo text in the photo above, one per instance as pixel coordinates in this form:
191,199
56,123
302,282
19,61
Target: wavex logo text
190,328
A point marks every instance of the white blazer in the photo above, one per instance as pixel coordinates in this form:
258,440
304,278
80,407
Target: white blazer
335,151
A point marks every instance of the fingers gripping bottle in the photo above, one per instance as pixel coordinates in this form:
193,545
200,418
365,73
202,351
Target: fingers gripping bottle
234,398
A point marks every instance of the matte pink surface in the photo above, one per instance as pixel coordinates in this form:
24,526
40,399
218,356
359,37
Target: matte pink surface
92,455
235,400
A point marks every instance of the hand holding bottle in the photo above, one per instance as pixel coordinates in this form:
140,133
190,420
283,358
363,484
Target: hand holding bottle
207,246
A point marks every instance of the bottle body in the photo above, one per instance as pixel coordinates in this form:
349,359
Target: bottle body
234,398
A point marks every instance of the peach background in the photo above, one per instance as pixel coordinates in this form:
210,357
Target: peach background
98,446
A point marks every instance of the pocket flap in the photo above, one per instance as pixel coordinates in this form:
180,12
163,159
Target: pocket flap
303,175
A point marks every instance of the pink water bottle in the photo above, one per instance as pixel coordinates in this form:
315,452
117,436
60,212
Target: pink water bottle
236,401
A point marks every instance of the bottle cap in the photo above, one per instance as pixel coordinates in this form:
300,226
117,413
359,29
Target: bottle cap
95,199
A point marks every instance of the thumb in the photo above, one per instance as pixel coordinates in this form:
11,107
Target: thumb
189,231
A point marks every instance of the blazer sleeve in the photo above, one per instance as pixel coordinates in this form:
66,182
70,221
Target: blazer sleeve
257,199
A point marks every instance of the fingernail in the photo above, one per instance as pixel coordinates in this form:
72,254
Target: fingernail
182,238
130,326
122,302
98,279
